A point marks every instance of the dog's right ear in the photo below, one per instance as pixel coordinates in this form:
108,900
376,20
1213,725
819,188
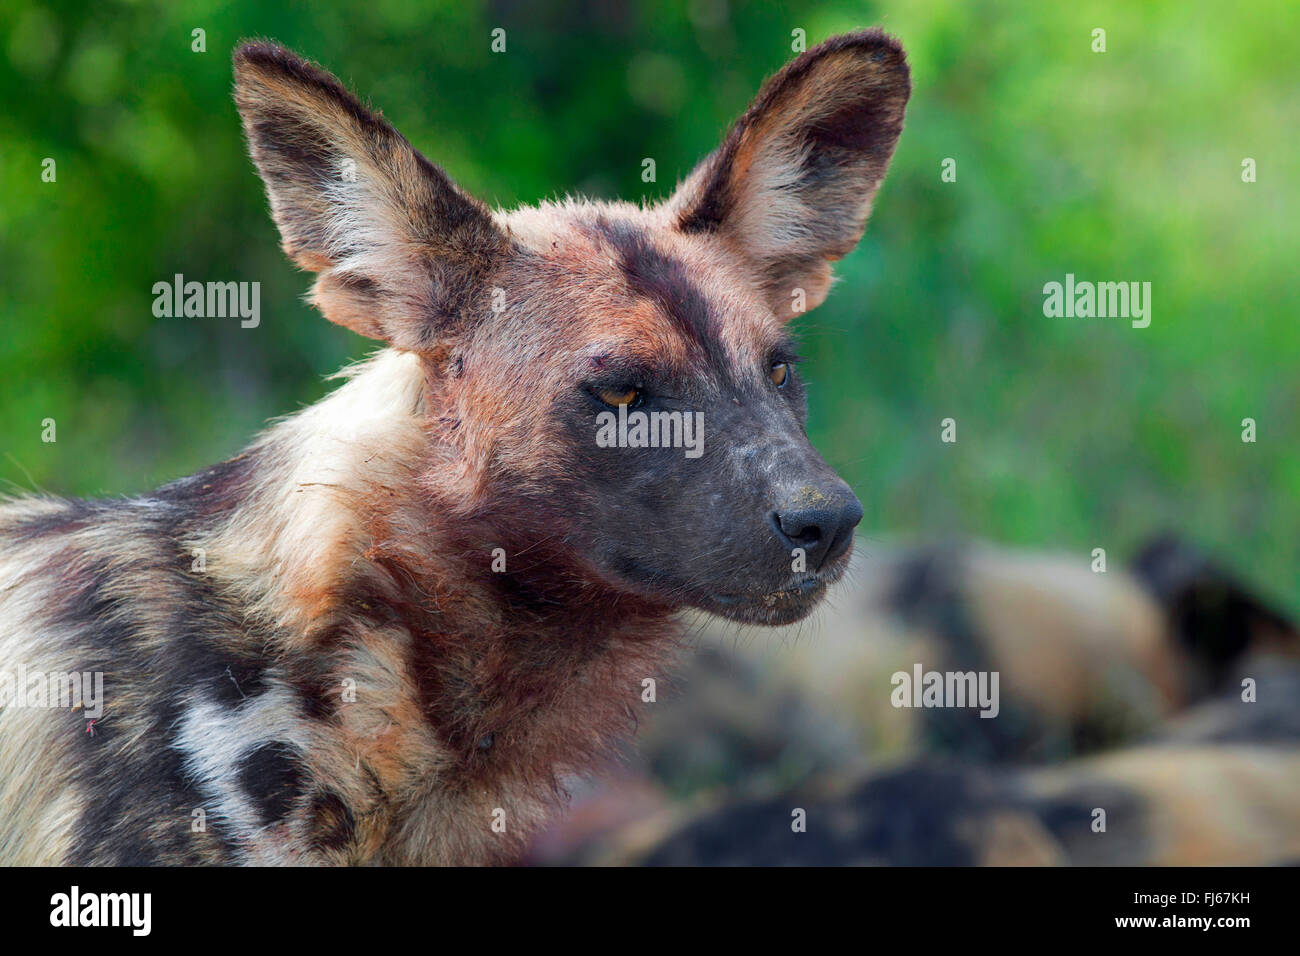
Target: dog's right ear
402,253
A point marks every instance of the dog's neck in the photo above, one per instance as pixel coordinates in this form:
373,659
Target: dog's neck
465,681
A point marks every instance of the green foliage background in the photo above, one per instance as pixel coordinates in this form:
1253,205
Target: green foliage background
1072,433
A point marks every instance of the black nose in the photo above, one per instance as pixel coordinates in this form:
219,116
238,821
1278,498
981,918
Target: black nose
824,530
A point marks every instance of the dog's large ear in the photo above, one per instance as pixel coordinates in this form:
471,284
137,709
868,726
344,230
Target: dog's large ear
790,188
401,252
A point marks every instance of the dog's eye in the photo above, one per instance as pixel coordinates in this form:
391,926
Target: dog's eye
622,395
779,373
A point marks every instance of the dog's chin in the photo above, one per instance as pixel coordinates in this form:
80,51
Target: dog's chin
784,605
772,609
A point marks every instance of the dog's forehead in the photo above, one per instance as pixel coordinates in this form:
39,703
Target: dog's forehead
615,273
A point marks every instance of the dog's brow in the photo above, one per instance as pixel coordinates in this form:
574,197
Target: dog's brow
663,279
616,361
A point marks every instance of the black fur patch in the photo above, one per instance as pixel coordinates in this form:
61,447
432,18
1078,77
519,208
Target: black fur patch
214,492
915,816
272,775
664,280
1069,818
331,822
142,800
319,690
1214,614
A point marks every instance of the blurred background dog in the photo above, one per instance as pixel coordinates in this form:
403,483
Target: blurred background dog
1146,716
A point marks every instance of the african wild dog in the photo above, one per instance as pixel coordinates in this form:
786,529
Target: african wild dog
350,674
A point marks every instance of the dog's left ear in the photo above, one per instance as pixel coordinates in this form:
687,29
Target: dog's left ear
790,188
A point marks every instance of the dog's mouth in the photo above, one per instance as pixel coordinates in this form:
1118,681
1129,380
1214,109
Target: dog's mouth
784,605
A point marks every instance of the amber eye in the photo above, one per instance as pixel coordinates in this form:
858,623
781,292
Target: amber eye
779,373
623,395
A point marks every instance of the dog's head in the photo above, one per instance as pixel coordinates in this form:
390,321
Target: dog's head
625,376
